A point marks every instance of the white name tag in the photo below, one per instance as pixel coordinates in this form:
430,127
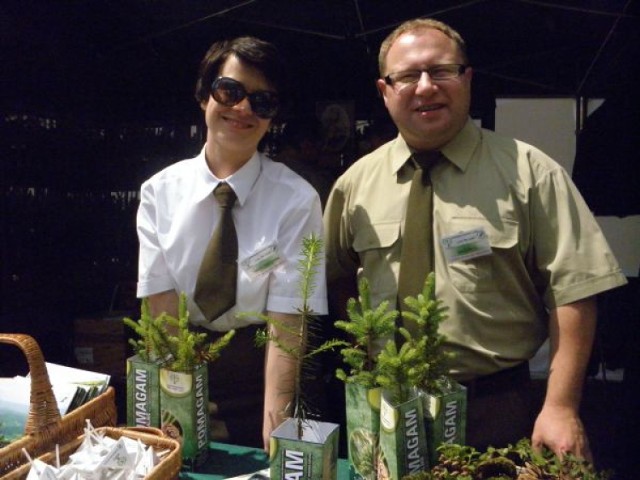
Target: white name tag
262,261
466,245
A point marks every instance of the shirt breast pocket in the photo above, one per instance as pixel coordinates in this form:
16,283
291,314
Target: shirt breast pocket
377,246
488,272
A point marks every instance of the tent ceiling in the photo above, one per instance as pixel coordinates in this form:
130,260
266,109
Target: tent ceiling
139,57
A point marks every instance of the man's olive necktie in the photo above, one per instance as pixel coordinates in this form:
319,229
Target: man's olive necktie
215,291
416,258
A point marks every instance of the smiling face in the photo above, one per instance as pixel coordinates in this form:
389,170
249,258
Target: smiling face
428,114
233,133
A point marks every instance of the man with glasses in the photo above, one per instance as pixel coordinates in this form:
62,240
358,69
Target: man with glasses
267,208
516,252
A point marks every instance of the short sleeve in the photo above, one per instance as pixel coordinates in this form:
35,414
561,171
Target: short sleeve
303,219
571,252
153,274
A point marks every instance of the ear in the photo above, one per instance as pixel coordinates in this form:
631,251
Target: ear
382,88
468,73
203,105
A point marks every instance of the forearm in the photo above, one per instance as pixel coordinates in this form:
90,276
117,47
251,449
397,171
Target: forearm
571,333
280,371
164,302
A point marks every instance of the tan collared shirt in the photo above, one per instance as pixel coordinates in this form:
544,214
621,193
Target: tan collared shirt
546,248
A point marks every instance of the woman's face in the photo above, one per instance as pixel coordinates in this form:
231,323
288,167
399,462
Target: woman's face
236,129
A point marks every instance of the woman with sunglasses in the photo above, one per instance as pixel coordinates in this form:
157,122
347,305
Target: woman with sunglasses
239,86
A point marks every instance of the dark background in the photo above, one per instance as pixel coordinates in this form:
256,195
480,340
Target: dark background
136,59
97,95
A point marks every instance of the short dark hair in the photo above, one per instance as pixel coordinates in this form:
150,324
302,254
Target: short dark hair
251,51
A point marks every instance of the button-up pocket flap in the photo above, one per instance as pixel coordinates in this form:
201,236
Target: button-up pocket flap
380,235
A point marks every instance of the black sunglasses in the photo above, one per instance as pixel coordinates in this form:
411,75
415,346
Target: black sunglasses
230,92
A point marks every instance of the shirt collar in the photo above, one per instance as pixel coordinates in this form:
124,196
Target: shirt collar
400,152
458,151
241,181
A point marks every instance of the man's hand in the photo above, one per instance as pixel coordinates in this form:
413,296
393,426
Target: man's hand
561,430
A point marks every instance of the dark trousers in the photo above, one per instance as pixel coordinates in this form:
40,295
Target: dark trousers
500,408
236,387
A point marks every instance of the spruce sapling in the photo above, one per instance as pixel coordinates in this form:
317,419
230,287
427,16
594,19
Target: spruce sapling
181,351
152,344
428,313
368,327
401,369
306,332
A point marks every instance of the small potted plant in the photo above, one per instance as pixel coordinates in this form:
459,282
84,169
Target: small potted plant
302,447
385,428
403,439
412,376
445,401
181,358
143,368
368,328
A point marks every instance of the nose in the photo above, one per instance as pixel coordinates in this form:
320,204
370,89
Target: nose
244,105
425,82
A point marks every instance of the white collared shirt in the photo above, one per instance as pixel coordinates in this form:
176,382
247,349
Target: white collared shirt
275,208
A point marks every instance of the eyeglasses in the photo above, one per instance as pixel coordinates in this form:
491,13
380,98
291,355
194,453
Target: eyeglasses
230,92
436,73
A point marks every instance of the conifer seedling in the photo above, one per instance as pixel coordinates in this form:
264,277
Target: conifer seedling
428,312
304,350
369,328
419,361
181,351
151,346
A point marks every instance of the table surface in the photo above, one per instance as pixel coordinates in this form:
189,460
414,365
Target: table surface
229,461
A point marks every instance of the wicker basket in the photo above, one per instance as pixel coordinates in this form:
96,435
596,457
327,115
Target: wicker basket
167,469
45,427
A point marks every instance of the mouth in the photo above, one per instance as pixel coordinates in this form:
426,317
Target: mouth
236,123
429,108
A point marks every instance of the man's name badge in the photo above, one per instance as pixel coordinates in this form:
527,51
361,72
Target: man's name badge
466,245
262,261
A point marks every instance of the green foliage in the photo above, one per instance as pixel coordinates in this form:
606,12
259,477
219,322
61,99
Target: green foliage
420,361
308,268
402,369
428,313
169,341
546,462
304,349
517,462
369,328
152,344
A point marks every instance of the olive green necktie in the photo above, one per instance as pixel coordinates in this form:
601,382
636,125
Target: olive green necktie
215,291
416,257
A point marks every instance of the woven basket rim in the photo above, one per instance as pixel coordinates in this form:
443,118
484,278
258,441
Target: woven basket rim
168,467
47,426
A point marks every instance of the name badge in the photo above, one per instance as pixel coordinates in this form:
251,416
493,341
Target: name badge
262,261
466,245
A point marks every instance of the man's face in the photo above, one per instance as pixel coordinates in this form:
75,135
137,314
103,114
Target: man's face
428,114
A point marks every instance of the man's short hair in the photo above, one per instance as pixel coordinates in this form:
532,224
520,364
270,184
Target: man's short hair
415,25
